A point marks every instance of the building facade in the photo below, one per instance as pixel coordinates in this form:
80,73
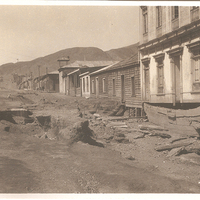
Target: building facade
69,75
120,82
170,54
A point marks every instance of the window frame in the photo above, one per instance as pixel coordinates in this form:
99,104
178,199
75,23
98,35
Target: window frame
93,86
103,85
158,16
160,72
133,88
84,84
114,86
145,19
87,84
175,13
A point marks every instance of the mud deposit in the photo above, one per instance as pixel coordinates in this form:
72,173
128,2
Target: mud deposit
61,147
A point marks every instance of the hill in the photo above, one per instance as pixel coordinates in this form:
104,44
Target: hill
49,63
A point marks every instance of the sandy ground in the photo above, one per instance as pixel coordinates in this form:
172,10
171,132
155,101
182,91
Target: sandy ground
36,158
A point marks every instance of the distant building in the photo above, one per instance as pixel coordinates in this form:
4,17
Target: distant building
48,82
170,54
69,79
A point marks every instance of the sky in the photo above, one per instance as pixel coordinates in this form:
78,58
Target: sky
31,31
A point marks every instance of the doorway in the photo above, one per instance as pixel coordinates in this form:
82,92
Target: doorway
147,83
177,79
122,89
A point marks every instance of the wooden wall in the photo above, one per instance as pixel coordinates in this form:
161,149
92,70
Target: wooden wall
128,72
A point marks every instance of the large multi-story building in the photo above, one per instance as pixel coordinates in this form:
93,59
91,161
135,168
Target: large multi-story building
170,54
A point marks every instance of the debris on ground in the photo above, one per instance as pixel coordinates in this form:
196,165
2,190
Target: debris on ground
162,135
175,145
151,127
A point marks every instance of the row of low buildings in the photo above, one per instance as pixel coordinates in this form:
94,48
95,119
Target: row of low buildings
165,71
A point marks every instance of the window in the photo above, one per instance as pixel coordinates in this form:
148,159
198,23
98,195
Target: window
83,84
133,85
145,19
196,65
92,86
158,16
114,87
175,12
103,81
194,13
78,81
87,84
160,76
160,72
194,49
196,69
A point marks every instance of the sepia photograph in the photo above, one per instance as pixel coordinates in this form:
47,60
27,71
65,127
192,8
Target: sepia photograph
99,98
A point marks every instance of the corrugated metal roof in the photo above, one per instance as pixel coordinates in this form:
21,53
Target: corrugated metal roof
79,64
126,63
121,64
104,69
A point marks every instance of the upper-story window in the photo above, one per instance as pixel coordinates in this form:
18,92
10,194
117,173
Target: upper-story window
158,16
194,13
175,18
145,19
175,12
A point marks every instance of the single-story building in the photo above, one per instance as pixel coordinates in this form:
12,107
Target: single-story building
120,81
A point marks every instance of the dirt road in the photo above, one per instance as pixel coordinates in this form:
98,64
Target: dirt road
29,164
